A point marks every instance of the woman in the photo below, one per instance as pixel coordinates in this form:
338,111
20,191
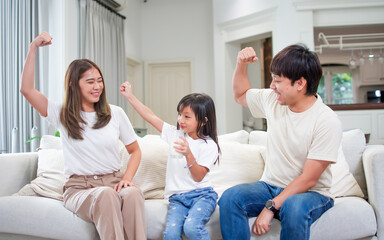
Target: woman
90,129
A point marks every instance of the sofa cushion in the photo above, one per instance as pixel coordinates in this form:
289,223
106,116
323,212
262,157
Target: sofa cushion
42,217
241,136
258,137
50,171
150,176
349,218
17,170
353,146
238,163
343,182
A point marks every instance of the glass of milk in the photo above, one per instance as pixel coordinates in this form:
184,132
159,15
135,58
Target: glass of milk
172,150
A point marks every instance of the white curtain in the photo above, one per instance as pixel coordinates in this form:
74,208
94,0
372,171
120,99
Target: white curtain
102,41
18,28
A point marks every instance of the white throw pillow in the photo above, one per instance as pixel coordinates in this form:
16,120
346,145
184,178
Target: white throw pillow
258,137
50,171
239,163
150,176
50,142
343,182
241,136
353,146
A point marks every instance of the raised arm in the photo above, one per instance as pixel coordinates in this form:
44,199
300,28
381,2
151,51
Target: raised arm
34,97
240,82
140,108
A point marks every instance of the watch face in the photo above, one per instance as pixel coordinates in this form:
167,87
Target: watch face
269,204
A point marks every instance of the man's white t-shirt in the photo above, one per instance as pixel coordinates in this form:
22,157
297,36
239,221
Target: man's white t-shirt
295,137
178,178
98,152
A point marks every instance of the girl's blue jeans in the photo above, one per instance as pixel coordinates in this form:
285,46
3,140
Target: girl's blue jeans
189,212
243,201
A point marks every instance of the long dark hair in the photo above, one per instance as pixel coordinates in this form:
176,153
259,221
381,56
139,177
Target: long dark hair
203,107
70,115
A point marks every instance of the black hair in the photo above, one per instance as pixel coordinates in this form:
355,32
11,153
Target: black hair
296,61
203,107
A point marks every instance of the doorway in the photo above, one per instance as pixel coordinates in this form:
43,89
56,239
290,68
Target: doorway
166,84
259,77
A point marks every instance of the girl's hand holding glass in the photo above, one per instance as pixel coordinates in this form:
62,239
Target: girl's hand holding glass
182,147
179,136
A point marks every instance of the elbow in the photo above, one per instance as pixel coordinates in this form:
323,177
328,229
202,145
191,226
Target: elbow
237,99
25,91
311,183
236,96
22,91
198,179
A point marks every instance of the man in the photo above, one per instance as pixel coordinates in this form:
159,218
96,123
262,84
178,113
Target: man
304,136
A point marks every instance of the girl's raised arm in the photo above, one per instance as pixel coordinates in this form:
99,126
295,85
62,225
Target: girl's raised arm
34,97
140,108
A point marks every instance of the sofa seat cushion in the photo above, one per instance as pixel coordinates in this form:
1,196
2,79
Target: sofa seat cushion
349,218
156,214
46,218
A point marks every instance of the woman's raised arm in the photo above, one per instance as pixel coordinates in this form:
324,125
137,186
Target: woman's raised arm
34,97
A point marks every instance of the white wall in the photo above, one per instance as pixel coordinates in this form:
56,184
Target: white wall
173,30
132,28
288,21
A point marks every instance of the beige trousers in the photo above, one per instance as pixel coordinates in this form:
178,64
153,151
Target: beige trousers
115,215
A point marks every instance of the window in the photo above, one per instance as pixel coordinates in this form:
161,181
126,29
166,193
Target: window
336,86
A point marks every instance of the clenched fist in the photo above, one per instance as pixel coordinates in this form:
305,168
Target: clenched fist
126,89
42,40
247,55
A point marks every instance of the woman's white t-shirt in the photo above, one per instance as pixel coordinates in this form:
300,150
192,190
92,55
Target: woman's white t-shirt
98,152
178,177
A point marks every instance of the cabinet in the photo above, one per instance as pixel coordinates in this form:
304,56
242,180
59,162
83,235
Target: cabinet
372,73
369,121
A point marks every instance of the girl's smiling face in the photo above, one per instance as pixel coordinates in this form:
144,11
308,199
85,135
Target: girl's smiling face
188,122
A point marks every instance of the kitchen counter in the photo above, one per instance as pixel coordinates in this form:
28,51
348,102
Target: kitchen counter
368,117
356,106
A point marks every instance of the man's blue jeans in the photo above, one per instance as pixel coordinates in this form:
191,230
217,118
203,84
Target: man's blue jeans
243,201
189,212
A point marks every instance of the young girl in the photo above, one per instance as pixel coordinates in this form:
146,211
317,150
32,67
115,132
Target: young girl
90,129
192,199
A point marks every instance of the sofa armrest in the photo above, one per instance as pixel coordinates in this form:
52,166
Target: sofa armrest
373,162
16,170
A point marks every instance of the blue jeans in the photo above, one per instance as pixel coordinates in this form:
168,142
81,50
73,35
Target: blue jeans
243,201
189,212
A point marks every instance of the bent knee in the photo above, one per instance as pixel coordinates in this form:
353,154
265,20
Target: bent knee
131,193
232,196
194,230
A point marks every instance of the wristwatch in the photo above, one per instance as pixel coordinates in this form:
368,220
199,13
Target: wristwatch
270,205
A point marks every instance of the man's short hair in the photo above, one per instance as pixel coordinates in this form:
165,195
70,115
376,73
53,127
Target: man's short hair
296,61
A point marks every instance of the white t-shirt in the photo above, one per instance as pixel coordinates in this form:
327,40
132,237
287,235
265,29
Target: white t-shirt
178,178
295,137
98,152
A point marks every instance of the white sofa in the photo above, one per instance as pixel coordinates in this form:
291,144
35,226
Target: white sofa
37,217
